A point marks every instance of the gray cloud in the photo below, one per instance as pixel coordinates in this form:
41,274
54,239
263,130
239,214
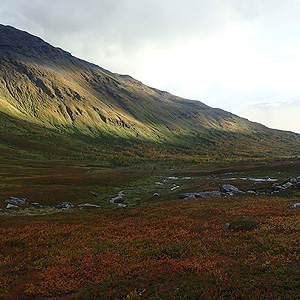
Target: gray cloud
126,23
121,34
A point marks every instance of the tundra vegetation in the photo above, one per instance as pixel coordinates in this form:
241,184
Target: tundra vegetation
158,246
110,189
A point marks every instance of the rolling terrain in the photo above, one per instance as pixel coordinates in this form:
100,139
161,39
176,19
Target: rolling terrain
124,156
53,103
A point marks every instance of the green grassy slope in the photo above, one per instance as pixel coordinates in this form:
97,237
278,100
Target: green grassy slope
59,95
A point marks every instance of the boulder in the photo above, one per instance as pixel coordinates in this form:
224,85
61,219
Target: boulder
229,189
65,205
213,194
16,201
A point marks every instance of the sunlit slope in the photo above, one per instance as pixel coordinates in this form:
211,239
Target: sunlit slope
50,88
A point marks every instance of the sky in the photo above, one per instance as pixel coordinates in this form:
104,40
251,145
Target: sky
226,53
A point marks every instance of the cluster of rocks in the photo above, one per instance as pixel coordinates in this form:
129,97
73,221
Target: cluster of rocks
16,203
67,205
289,183
225,189
119,199
200,195
229,189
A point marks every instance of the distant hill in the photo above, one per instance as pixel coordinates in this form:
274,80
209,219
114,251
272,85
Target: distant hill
282,115
47,95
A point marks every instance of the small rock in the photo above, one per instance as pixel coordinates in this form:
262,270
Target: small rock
88,205
121,194
65,205
174,187
37,205
276,187
188,195
293,180
118,201
226,226
10,206
296,205
251,192
122,205
155,194
287,185
16,201
94,194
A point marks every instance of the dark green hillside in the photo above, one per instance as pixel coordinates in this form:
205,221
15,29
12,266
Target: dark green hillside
47,93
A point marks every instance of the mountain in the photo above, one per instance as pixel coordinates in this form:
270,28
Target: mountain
47,96
281,115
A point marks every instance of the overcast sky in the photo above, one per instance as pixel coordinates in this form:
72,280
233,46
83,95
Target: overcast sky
226,53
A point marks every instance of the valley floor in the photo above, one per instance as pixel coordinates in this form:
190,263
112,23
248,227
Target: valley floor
159,246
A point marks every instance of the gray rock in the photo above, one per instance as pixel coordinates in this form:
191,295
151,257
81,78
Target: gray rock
293,180
94,194
116,199
88,205
16,201
65,205
276,187
187,195
296,205
229,189
287,185
251,192
122,205
200,195
155,195
37,205
214,194
10,206
226,226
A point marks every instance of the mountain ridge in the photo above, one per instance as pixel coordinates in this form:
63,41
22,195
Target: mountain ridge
47,86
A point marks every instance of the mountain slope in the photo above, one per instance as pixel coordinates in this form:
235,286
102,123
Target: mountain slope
48,87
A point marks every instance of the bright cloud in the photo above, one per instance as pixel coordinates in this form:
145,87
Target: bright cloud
226,53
